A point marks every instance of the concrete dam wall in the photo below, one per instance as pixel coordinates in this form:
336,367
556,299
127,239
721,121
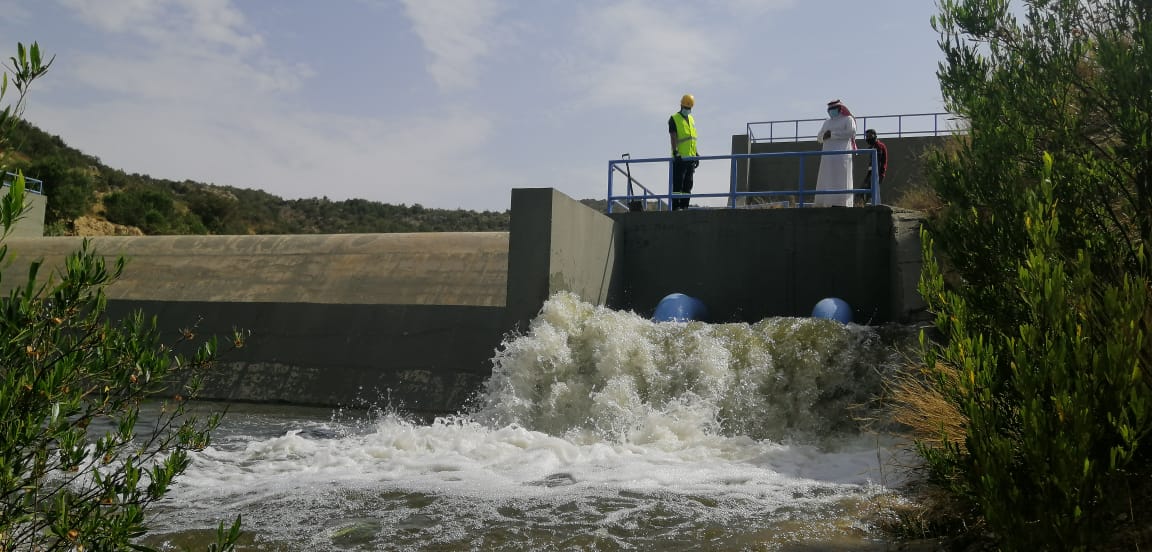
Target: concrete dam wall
334,319
414,319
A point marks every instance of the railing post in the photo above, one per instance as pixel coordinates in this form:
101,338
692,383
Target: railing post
875,178
732,185
800,184
671,164
611,169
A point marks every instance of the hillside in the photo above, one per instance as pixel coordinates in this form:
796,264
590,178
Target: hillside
86,197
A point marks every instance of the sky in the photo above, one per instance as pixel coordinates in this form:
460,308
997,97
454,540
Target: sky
452,103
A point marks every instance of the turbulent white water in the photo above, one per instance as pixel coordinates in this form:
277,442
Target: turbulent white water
598,430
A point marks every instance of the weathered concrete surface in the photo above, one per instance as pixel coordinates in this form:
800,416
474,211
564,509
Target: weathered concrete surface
427,358
558,244
413,319
907,263
398,269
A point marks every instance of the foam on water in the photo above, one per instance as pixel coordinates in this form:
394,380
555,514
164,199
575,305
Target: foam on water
596,422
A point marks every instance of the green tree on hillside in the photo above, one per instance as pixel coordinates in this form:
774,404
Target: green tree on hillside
1046,225
73,191
218,211
77,184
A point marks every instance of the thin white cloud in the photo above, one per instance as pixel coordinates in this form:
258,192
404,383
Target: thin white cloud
458,34
644,55
190,23
198,52
201,79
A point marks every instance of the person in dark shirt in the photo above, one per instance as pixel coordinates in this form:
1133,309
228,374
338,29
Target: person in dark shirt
881,156
682,131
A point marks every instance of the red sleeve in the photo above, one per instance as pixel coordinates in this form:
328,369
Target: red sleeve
882,153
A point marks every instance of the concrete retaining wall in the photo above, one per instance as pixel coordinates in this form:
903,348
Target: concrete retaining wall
334,320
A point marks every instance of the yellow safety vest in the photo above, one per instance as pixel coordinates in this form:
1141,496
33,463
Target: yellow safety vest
685,135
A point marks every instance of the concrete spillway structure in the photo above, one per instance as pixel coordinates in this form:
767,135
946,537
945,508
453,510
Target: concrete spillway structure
414,319
744,264
334,319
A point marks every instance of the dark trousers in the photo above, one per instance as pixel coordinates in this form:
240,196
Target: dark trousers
682,173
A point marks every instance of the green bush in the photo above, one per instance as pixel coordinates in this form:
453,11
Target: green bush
1049,447
1046,314
75,473
1071,78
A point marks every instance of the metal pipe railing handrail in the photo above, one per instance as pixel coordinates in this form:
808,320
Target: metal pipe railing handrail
648,194
862,126
873,191
28,182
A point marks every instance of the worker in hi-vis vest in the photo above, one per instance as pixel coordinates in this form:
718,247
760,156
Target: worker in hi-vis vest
682,130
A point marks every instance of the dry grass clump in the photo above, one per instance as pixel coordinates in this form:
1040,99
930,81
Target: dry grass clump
920,198
916,403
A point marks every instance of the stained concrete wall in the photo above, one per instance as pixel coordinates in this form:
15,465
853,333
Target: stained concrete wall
558,244
334,320
746,265
906,158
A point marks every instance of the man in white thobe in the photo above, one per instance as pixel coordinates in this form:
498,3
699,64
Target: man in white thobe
838,133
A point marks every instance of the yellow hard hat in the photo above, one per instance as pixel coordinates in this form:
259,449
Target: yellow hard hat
687,101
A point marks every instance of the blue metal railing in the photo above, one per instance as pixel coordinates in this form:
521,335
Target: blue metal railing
733,195
646,194
30,184
912,124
